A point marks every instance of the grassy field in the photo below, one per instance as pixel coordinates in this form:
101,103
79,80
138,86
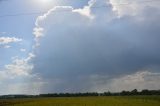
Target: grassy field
85,101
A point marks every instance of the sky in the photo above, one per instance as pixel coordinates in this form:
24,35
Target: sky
49,46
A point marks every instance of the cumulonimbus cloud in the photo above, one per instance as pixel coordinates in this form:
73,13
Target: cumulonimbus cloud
95,41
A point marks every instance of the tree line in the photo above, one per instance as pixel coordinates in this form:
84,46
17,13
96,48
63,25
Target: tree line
123,93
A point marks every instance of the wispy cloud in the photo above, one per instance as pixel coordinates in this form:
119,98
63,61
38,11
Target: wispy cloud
7,40
7,46
2,33
22,50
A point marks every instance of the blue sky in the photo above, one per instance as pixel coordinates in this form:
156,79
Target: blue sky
78,46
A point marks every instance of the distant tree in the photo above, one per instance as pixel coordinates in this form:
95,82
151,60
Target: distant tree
124,93
107,93
134,92
145,92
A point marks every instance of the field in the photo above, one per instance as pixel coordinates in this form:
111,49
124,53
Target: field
85,101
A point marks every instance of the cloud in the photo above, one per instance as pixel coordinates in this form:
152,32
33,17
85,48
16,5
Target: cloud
19,66
139,80
7,46
133,8
38,32
82,46
23,50
2,33
6,40
16,78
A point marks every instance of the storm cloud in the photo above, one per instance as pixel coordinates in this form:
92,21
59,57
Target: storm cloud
86,49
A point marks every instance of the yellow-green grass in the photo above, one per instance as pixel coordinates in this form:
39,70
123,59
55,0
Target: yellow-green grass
87,101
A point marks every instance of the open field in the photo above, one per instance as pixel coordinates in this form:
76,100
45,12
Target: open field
85,101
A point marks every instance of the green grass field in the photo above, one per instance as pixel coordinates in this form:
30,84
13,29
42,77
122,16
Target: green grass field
85,101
